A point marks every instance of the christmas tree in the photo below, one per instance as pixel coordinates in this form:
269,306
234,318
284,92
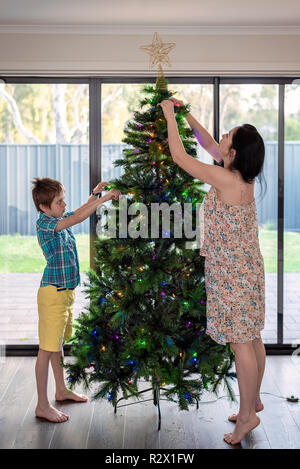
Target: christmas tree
147,312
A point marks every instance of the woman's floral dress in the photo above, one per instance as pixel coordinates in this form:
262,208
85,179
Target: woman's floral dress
234,270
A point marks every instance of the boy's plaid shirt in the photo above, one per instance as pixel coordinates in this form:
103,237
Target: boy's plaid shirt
59,249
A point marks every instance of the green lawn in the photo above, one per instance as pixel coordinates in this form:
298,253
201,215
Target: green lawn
23,254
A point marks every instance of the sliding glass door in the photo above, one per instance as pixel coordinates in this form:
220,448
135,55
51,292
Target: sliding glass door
257,104
44,132
291,235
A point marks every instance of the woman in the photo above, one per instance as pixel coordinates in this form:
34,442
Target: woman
234,268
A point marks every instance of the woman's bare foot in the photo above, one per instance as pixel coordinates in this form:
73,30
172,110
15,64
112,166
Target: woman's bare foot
242,428
69,395
51,414
258,408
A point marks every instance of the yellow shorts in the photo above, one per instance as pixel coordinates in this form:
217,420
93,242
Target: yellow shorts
55,309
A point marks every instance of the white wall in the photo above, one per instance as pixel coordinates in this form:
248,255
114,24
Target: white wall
112,54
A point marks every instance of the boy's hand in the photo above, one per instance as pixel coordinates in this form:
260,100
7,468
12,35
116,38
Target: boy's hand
113,194
100,187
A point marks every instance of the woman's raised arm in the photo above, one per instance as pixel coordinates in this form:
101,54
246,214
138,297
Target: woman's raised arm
204,138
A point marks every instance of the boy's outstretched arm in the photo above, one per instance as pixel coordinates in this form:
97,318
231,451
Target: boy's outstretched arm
86,210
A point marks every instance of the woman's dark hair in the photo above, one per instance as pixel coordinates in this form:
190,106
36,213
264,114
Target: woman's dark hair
250,152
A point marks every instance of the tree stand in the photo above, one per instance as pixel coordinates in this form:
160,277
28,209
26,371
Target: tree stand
156,401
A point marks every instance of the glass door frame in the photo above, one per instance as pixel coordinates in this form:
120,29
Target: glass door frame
95,153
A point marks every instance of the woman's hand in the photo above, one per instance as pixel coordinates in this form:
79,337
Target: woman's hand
177,102
168,108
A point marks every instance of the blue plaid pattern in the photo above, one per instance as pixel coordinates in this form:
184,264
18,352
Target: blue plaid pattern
59,249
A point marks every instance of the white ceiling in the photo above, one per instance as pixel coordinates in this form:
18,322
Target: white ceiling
151,12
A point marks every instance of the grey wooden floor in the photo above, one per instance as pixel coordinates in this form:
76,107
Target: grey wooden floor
94,424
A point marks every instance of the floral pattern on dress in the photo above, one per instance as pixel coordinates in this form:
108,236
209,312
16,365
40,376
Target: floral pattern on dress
234,270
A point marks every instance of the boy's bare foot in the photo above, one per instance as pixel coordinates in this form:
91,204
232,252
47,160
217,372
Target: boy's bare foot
51,414
241,430
69,395
258,408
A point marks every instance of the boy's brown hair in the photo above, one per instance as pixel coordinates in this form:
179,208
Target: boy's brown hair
44,190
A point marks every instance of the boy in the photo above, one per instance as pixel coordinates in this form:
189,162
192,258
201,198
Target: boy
57,288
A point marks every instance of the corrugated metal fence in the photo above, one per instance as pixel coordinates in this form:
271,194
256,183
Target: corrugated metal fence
20,163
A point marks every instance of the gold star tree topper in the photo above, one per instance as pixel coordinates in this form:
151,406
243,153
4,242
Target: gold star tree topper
158,51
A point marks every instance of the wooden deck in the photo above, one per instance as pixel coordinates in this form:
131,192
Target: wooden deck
94,424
